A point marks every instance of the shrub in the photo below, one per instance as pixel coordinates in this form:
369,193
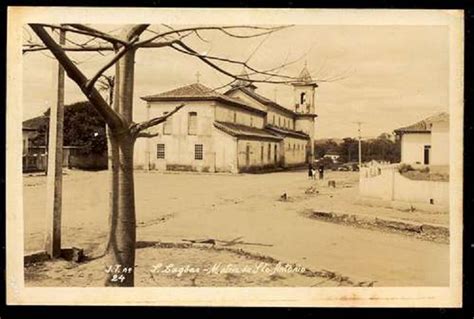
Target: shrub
403,168
425,170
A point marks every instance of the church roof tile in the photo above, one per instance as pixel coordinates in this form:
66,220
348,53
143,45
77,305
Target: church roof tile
239,130
196,92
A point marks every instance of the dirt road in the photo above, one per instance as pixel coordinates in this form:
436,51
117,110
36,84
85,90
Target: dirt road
172,207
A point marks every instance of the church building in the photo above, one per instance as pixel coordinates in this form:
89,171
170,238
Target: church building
237,131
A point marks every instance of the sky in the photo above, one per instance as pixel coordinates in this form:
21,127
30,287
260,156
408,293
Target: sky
389,76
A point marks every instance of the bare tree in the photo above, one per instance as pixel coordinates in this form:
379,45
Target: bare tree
122,130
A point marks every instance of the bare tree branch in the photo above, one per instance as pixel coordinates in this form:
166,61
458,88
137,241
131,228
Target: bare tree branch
206,59
200,37
122,51
112,118
188,50
84,48
266,30
147,135
136,30
97,33
139,127
223,86
82,29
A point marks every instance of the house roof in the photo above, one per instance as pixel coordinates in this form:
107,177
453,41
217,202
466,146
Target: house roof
27,128
199,92
36,122
239,130
261,99
285,132
423,126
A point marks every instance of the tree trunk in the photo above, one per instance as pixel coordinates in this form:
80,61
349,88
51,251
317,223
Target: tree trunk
121,245
120,252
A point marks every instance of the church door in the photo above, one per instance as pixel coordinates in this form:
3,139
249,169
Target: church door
247,155
276,154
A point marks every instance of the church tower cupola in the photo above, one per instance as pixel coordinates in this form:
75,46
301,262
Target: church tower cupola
244,81
304,88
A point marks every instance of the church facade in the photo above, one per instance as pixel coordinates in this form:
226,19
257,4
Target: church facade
238,131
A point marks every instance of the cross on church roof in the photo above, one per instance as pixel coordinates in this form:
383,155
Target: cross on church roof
198,75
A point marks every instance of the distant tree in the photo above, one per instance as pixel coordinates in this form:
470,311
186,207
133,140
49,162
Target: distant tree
385,136
83,126
382,148
348,150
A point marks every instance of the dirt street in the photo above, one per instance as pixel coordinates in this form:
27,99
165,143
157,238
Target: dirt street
172,207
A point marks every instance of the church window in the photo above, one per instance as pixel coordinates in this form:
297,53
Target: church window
269,151
160,151
261,153
273,120
303,98
251,120
192,123
167,125
235,117
279,121
198,152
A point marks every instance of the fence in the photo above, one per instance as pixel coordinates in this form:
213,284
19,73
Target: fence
35,162
36,159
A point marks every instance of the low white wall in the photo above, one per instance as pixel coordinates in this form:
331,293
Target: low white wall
421,191
388,184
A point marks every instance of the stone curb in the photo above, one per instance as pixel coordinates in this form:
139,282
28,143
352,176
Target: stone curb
422,228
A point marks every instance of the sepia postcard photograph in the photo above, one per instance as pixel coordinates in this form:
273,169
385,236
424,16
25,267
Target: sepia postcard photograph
234,157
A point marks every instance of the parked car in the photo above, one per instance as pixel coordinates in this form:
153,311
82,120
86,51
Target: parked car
354,166
326,162
346,167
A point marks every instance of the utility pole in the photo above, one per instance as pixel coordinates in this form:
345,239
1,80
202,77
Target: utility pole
359,124
55,162
148,144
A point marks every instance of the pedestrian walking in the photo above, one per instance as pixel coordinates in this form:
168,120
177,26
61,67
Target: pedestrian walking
310,171
321,171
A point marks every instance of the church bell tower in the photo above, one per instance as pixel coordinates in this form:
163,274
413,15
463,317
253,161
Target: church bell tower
304,91
304,88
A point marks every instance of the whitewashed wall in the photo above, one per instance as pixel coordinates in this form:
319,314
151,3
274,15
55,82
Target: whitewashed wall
388,184
440,143
226,113
413,147
226,152
295,151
